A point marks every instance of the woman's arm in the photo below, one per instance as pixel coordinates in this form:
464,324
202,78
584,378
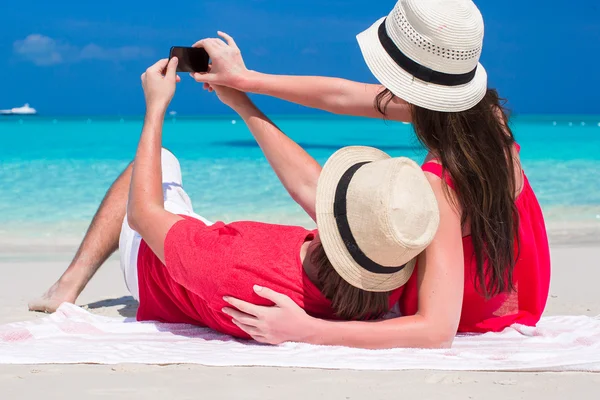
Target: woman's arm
335,95
145,208
338,96
440,289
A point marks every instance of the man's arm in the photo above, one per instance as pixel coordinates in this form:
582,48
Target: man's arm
145,209
296,169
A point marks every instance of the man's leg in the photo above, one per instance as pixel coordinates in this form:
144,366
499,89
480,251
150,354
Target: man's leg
100,241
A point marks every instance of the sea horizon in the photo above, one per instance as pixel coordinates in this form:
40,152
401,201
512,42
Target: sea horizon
54,170
307,115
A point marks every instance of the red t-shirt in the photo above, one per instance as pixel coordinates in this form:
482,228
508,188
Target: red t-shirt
205,263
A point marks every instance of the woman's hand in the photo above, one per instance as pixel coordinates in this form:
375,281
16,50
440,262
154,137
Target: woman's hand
283,322
227,64
159,83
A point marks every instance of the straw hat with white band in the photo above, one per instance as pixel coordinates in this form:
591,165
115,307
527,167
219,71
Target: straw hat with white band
427,53
375,215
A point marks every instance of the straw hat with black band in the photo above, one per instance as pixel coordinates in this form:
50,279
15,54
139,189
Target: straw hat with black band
427,53
375,215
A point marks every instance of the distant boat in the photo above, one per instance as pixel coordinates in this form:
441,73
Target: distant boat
172,113
25,110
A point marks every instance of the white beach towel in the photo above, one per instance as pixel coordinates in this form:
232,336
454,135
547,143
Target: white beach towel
73,335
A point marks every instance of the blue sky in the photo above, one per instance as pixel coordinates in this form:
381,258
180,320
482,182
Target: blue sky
85,57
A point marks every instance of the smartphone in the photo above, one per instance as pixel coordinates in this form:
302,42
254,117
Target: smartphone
191,59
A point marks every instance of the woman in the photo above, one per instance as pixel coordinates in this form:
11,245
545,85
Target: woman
375,215
489,265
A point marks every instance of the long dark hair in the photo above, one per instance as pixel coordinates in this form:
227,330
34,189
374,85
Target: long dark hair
475,149
348,302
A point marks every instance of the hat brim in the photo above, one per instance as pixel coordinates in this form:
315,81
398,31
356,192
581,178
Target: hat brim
415,91
333,244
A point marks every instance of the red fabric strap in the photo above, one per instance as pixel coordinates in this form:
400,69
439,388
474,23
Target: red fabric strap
437,170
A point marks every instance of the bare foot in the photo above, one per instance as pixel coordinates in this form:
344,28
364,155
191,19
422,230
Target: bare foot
53,298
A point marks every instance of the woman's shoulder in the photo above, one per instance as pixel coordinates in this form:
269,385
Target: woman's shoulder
433,166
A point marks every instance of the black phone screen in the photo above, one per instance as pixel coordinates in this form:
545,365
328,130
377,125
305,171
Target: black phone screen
191,59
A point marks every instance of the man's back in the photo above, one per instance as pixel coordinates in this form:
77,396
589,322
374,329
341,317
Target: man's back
205,263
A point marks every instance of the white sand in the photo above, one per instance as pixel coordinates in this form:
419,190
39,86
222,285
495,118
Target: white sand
575,280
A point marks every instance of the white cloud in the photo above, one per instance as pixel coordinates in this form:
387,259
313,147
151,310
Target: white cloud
40,49
43,50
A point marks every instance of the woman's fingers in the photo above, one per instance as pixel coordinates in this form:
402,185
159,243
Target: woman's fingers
269,294
244,306
244,318
228,39
260,339
249,329
210,45
199,43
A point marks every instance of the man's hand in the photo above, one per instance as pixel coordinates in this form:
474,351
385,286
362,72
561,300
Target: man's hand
228,96
231,97
227,65
159,83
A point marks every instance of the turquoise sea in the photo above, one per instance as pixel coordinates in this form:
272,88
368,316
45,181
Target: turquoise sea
55,171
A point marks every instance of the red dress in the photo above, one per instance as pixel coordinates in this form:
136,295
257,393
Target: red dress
531,274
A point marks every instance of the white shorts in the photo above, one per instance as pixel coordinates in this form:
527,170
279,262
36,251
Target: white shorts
176,201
